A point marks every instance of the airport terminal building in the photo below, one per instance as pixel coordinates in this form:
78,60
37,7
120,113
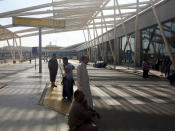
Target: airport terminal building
150,43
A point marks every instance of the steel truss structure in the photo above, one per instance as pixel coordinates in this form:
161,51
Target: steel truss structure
91,16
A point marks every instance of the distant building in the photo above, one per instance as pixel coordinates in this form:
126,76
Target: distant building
5,52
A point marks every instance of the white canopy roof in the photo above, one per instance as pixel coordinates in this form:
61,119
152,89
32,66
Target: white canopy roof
78,15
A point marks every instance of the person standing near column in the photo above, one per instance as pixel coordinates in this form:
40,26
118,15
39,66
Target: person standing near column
146,68
53,68
83,80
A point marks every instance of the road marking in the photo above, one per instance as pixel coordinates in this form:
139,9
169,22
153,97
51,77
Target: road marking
152,98
159,93
124,95
104,96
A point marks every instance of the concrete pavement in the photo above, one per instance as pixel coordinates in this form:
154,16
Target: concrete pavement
20,109
19,100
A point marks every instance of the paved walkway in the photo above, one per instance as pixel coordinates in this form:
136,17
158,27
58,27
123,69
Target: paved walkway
52,99
19,100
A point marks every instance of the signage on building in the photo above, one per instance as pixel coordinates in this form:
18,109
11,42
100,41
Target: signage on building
129,53
52,48
35,51
38,22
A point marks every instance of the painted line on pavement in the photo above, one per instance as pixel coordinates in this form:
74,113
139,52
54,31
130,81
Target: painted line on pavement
152,98
104,96
124,95
159,93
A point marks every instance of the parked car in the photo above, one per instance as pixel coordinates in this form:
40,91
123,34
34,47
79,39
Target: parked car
99,64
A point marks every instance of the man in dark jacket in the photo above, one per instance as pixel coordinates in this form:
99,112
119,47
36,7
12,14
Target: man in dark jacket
53,68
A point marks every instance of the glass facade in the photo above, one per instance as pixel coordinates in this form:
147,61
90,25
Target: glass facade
153,46
94,53
124,47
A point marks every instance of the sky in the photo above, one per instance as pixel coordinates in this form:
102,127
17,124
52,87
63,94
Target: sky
59,39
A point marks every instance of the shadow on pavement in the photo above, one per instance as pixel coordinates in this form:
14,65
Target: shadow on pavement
113,120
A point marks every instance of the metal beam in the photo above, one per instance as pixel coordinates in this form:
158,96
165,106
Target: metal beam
136,34
110,44
123,25
10,49
9,13
97,37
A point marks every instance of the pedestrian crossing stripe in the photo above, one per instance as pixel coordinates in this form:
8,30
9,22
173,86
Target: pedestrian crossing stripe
159,93
105,97
126,96
152,98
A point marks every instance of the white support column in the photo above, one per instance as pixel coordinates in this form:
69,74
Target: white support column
110,44
115,41
90,40
97,37
102,36
136,34
94,46
40,50
14,51
10,50
123,25
118,47
89,43
87,47
163,33
18,49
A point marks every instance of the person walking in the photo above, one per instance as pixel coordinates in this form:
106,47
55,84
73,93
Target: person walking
68,80
162,70
157,66
53,68
145,67
171,77
83,80
167,67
